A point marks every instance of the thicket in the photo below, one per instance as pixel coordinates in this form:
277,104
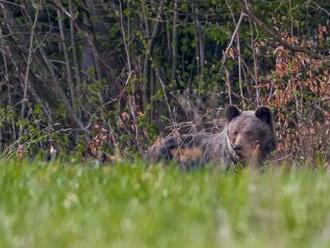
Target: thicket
85,75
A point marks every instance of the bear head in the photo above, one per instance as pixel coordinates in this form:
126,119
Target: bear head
250,134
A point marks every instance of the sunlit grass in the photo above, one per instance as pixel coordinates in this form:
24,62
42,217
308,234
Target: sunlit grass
133,205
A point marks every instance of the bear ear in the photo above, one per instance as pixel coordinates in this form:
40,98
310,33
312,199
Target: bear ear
265,114
231,112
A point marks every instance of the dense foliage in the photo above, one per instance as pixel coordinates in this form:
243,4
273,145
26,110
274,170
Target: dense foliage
124,70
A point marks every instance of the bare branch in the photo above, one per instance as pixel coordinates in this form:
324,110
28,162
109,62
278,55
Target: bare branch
276,36
29,61
224,57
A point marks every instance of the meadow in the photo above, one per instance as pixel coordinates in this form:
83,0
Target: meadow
134,205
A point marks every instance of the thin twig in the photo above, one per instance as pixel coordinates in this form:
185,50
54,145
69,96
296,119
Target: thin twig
29,61
276,36
320,7
10,2
224,57
166,100
124,38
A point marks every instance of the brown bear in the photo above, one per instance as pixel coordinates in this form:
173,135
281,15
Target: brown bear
248,137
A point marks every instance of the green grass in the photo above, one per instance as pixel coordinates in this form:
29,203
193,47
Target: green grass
135,206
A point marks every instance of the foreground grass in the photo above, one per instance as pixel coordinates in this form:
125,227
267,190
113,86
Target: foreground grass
135,206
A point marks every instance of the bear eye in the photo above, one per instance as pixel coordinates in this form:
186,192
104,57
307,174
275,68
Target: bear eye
248,133
261,135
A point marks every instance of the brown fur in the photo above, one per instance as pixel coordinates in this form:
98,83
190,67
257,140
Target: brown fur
248,137
187,155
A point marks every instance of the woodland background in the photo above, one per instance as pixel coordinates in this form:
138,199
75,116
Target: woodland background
85,75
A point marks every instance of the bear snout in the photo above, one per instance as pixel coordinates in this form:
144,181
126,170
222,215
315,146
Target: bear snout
238,148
